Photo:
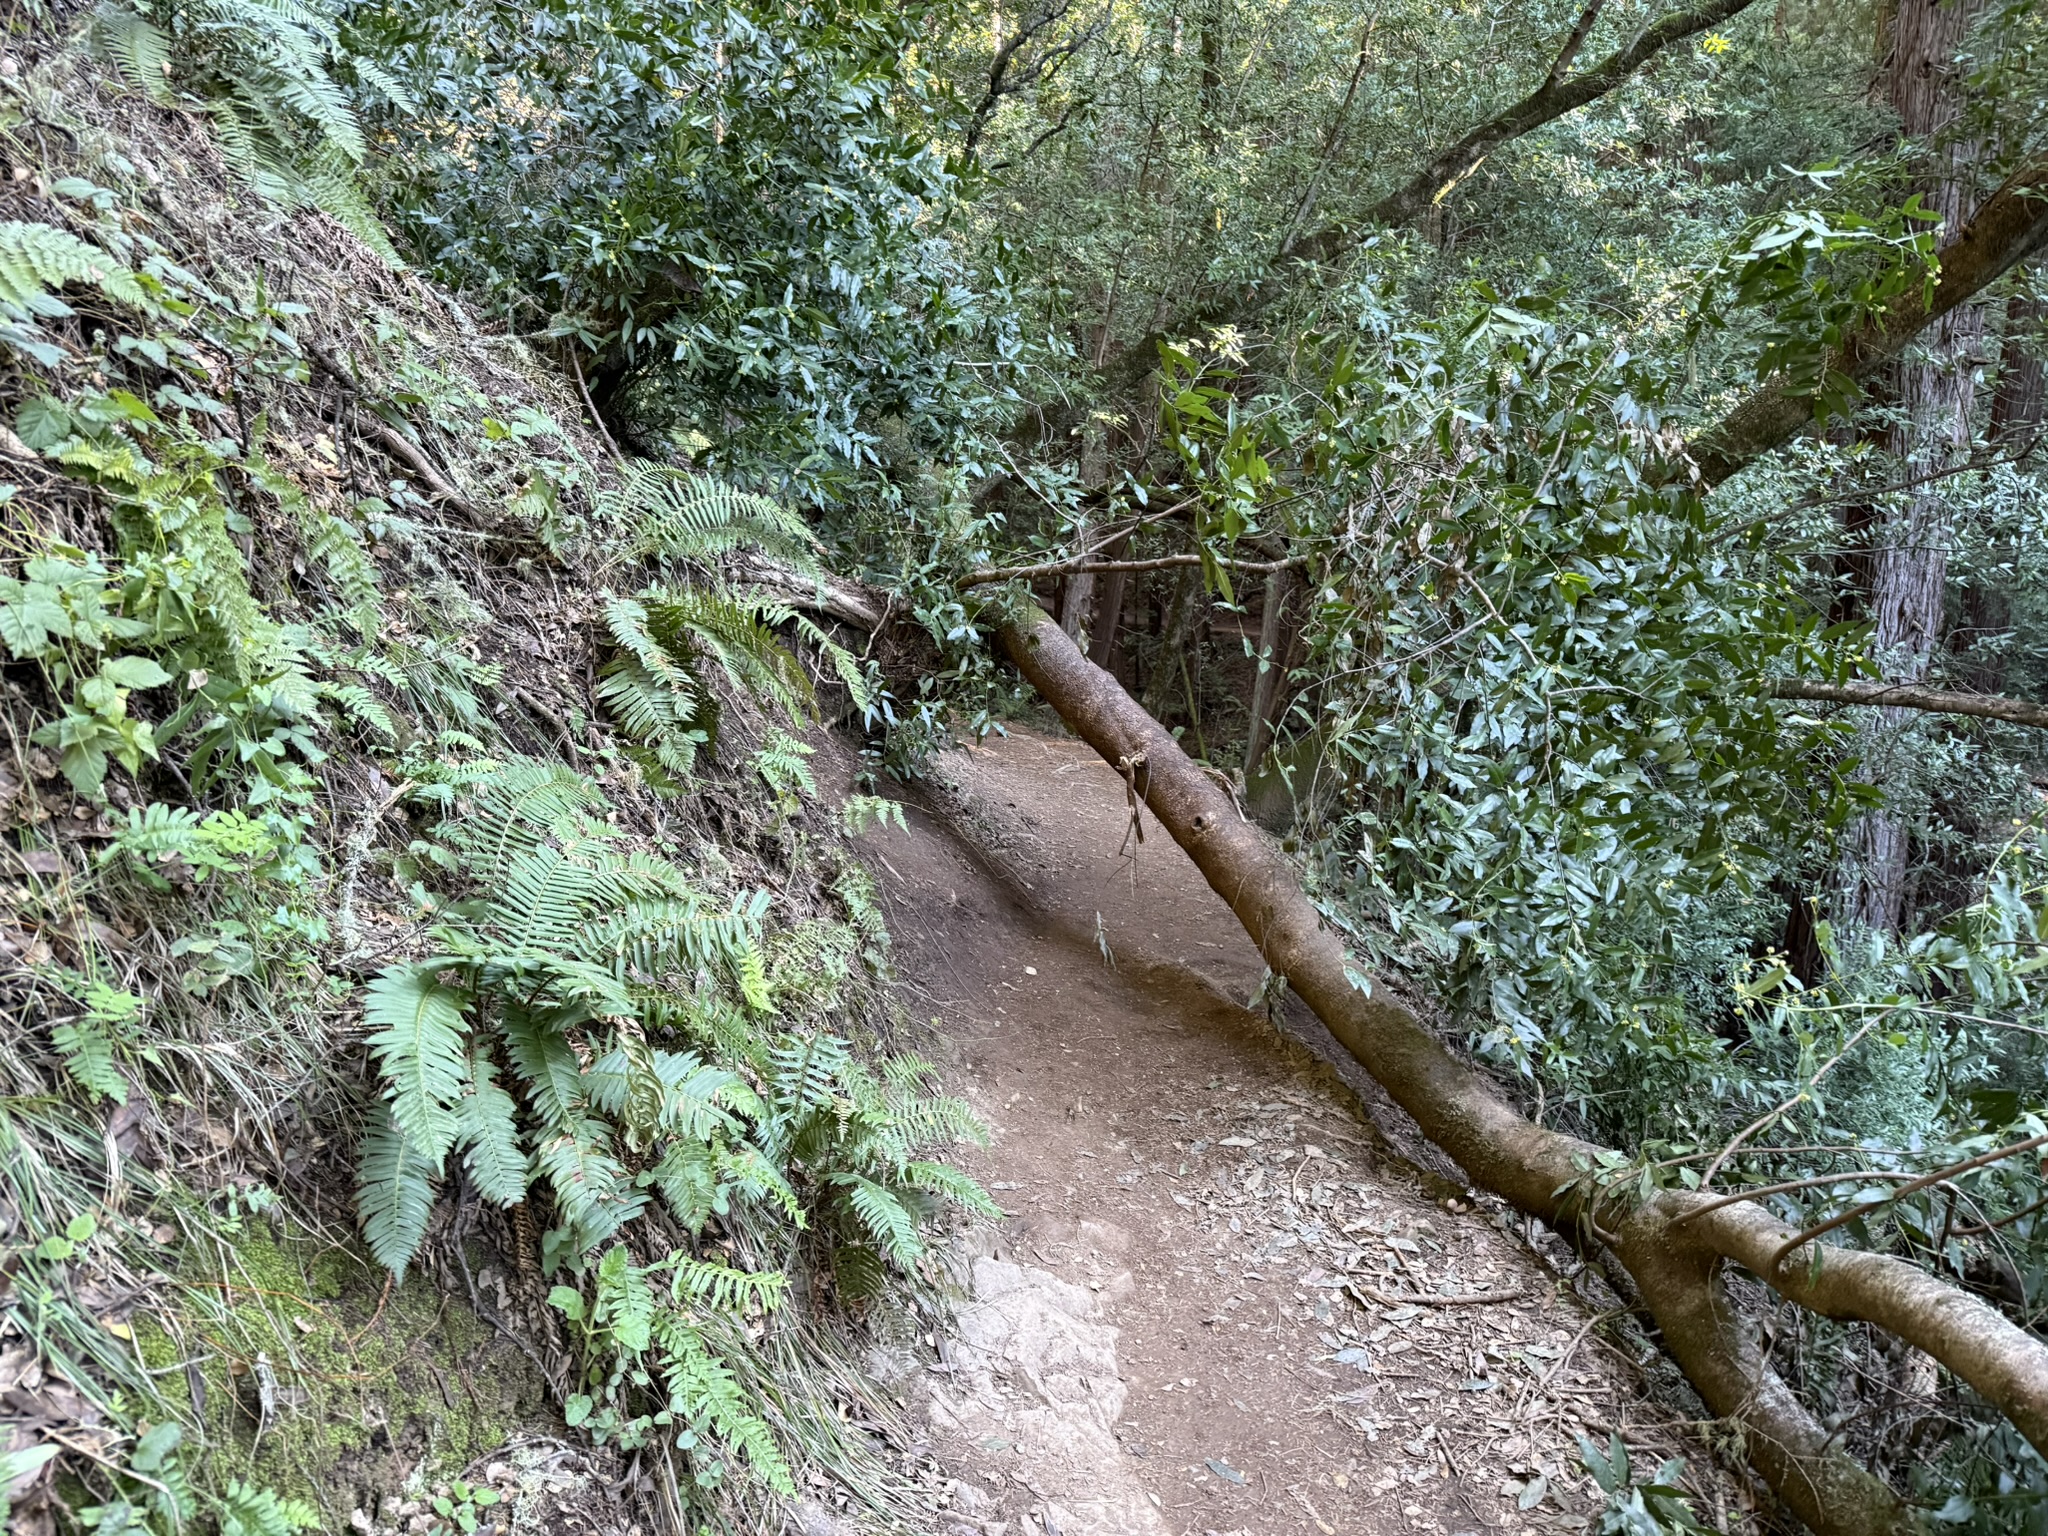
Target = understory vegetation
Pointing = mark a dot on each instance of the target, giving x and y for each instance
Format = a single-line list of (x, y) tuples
[(1571, 469)]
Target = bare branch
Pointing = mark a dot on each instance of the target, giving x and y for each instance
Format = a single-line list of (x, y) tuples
[(1938, 701), (1575, 42), (1008, 77), (1799, 1240), (1086, 566), (1555, 98)]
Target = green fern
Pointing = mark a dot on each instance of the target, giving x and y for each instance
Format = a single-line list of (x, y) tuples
[(137, 47), (251, 1511), (676, 516), (593, 1190), (625, 1303), (419, 1048), (884, 1217), (264, 70), (782, 762), (725, 1289), (704, 1392), (487, 1127), (543, 1058), (88, 1051), (35, 261), (394, 1194), (88, 1041)]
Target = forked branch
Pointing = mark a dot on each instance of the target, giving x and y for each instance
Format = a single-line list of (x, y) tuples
[(1558, 96)]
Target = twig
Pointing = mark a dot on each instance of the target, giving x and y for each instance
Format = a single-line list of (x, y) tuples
[(1801, 1239), (590, 405), (1806, 1088), (1423, 1299), (1816, 1182), (1085, 567), (1978, 1229), (382, 1297), (394, 442)]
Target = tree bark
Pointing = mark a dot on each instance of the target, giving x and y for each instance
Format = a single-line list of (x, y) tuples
[(1935, 391), (2022, 381), (1940, 701), (1271, 660), (1672, 1247), (1168, 677), (1109, 610)]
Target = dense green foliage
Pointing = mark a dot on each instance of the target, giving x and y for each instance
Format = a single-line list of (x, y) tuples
[(730, 213), (957, 291)]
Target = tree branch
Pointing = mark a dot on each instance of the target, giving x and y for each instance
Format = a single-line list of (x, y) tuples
[(1938, 701), (1555, 98), (2005, 228), (1001, 83), (1085, 566), (1575, 42)]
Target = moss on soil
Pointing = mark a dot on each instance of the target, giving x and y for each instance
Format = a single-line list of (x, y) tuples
[(370, 1390)]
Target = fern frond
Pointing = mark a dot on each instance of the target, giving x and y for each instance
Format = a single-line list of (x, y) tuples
[(543, 1059), (678, 516), (755, 1177), (687, 1177), (859, 1271), (950, 1183), (592, 1188), (135, 46), (486, 1125), (419, 1047), (38, 259), (361, 706), (88, 1051), (884, 1217), (703, 1390), (537, 899), (394, 1194), (725, 1289), (807, 1071), (624, 1303), (695, 1096), (251, 1511)]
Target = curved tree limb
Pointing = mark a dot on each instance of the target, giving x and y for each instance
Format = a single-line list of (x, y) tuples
[(1937, 701), (1679, 1270), (2006, 227), (1558, 96)]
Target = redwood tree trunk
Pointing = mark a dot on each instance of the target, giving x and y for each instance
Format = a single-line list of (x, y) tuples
[(1935, 392)]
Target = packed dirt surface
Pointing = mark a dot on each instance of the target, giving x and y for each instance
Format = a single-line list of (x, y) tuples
[(1226, 1298)]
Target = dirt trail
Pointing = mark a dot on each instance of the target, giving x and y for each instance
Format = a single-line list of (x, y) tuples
[(1182, 1326)]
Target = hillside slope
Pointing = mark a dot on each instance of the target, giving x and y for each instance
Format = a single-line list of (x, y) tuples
[(450, 1080)]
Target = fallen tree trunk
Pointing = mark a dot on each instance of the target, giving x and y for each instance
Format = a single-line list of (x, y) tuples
[(1937, 701), (1675, 1247)]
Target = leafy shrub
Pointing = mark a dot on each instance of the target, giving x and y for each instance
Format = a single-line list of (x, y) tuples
[(730, 210)]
